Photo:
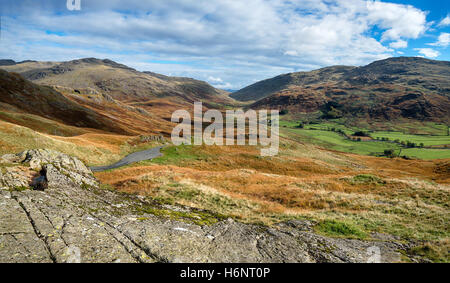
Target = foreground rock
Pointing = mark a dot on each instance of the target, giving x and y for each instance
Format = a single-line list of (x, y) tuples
[(70, 218)]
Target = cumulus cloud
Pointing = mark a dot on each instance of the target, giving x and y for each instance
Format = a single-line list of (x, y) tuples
[(215, 80), (443, 40), (428, 52), (445, 22), (236, 41), (399, 44), (399, 21)]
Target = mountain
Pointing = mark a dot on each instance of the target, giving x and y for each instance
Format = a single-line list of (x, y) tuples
[(271, 86), (9, 62), (405, 87), (230, 90), (116, 80), (18, 94), (43, 108), (133, 102)]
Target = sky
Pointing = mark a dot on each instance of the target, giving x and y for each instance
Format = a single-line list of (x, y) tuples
[(228, 43)]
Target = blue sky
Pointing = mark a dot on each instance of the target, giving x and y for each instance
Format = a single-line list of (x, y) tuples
[(229, 43)]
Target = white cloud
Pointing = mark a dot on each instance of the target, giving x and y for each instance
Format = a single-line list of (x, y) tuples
[(399, 44), (223, 86), (445, 22), (443, 40), (214, 80), (428, 52), (399, 21), (291, 53)]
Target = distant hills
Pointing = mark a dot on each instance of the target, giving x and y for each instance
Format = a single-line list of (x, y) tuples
[(9, 62), (116, 80), (394, 88), (95, 94)]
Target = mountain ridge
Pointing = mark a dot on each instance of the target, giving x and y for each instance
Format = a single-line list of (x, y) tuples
[(117, 80), (400, 87)]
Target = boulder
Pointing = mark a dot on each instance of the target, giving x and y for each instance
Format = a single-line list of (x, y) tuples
[(22, 168)]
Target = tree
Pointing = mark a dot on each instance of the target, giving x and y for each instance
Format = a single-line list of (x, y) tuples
[(360, 134), (410, 144), (389, 153)]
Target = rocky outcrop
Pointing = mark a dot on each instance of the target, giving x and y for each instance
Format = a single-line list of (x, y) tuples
[(74, 219)]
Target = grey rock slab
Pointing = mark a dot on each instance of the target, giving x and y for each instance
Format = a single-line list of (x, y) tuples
[(19, 241)]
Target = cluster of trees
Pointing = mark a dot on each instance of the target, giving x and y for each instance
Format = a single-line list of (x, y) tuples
[(361, 134), (406, 144), (389, 153), (339, 131)]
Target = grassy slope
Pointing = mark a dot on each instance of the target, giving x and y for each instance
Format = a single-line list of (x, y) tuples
[(93, 148), (348, 195)]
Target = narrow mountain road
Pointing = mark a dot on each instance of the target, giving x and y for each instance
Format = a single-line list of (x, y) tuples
[(148, 154)]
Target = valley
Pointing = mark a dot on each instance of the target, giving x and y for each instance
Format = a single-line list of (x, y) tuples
[(340, 137), (364, 151)]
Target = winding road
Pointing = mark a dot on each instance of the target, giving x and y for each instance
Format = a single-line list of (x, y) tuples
[(148, 154)]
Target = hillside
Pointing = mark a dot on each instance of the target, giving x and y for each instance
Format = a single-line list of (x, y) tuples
[(119, 98), (394, 88), (271, 86), (119, 81), (20, 95), (59, 110)]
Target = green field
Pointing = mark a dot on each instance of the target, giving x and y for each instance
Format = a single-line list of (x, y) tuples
[(403, 126), (418, 139), (320, 134), (426, 154)]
